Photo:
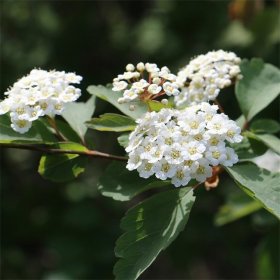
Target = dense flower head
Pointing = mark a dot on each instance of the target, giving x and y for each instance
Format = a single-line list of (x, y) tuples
[(37, 94), (144, 82), (182, 144), (203, 78)]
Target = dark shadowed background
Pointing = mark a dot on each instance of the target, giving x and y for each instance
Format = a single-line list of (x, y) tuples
[(67, 231)]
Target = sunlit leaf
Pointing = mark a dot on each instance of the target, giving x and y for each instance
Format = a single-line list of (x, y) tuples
[(149, 228), (63, 167), (123, 140), (259, 86), (112, 122), (112, 97), (265, 126), (77, 113), (259, 183)]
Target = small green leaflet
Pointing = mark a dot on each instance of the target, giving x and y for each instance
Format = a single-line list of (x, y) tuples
[(112, 97), (121, 184), (77, 113), (157, 105), (63, 167), (112, 122), (258, 183), (123, 140), (259, 86), (150, 227)]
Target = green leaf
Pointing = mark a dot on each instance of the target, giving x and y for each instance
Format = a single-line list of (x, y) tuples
[(238, 205), (265, 126), (123, 140), (77, 113), (259, 183), (113, 96), (269, 140), (63, 167), (149, 228), (249, 148), (258, 88), (112, 122), (37, 134), (121, 184), (157, 105), (67, 131)]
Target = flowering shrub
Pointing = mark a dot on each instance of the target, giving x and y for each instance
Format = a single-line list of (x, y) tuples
[(174, 131)]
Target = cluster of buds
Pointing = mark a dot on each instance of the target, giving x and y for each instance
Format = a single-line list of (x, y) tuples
[(203, 78), (145, 82), (182, 144), (37, 94)]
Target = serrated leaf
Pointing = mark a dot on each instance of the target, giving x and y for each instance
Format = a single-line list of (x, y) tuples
[(77, 113), (149, 228), (265, 126), (123, 139), (113, 96), (37, 134), (259, 183), (63, 167), (112, 122), (258, 88), (238, 205), (121, 184)]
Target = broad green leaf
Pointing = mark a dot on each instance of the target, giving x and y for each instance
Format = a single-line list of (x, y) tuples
[(121, 184), (67, 131), (269, 140), (112, 122), (63, 167), (149, 228), (37, 134), (77, 113), (157, 105), (259, 183), (249, 148), (238, 205), (123, 140), (259, 86), (113, 96), (240, 121), (265, 126)]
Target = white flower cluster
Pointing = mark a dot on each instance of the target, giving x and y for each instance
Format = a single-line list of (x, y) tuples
[(203, 78), (37, 94), (145, 81), (182, 144)]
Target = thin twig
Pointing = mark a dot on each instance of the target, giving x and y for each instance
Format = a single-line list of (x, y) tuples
[(47, 150)]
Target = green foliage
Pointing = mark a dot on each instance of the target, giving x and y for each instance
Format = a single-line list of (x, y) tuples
[(149, 228), (258, 183), (265, 126), (259, 86), (37, 134), (112, 97), (123, 140), (63, 167), (125, 184), (112, 122), (76, 114), (157, 106), (269, 140), (238, 205)]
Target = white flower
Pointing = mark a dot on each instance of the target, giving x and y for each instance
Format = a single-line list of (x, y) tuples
[(149, 81), (39, 93), (118, 86), (154, 89), (182, 145), (203, 78)]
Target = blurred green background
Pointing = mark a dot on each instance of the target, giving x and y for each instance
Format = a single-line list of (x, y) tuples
[(67, 231)]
